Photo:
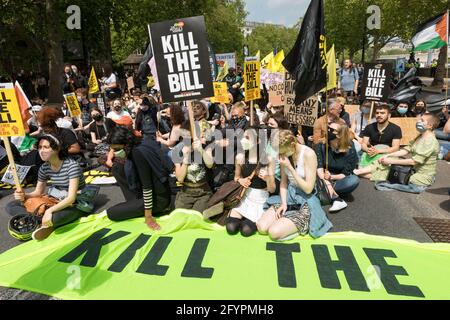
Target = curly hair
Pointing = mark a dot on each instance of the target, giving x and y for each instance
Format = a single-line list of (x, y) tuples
[(286, 141), (47, 117), (176, 114), (55, 144)]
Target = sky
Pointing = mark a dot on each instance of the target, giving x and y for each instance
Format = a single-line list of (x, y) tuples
[(286, 12)]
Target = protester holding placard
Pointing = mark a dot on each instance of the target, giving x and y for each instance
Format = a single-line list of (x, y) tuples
[(296, 211), (177, 119), (67, 180), (342, 159)]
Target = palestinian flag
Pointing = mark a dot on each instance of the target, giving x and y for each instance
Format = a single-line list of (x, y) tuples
[(432, 34)]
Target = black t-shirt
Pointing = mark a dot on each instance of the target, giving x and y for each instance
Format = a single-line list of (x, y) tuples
[(67, 137), (99, 130), (391, 132)]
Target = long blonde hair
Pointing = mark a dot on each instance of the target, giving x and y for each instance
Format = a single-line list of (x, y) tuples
[(344, 140)]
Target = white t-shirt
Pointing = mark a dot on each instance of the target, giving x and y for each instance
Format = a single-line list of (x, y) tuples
[(116, 117), (112, 79)]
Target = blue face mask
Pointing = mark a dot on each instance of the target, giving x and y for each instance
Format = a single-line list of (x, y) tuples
[(420, 126), (402, 110)]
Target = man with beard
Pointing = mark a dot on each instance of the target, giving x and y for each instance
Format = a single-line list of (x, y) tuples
[(381, 137)]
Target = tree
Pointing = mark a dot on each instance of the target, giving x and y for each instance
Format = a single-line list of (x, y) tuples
[(266, 38)]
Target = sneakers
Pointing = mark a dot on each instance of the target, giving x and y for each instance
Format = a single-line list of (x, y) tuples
[(214, 210), (338, 205), (42, 233)]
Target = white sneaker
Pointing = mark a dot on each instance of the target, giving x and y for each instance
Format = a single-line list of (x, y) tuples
[(338, 206)]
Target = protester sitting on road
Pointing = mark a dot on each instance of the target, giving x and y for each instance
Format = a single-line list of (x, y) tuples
[(142, 172), (201, 114), (380, 138), (118, 114), (342, 160), (321, 124), (67, 180), (402, 111), (254, 171), (238, 118), (191, 171), (98, 131), (422, 155), (177, 118), (296, 210), (420, 108), (360, 120), (146, 121)]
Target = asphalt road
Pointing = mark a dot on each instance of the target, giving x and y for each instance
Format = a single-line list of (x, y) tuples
[(370, 211)]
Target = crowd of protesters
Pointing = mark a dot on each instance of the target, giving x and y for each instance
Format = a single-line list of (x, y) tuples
[(178, 155)]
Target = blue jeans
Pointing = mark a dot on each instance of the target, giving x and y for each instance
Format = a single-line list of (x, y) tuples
[(440, 135), (444, 148), (346, 185), (410, 188)]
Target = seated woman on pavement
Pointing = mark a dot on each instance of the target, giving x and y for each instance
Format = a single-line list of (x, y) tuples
[(177, 118), (342, 160), (422, 155), (143, 176), (254, 170), (67, 185), (296, 211)]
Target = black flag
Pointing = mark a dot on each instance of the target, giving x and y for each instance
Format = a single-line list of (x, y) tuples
[(307, 61)]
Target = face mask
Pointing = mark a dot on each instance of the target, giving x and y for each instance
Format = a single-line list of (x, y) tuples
[(420, 126), (365, 110), (121, 154), (246, 144), (117, 108), (98, 117), (402, 110), (236, 120)]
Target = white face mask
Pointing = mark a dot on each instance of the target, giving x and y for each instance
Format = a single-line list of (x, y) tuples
[(121, 154), (246, 144)]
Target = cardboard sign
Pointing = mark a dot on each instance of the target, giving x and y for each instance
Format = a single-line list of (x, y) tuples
[(130, 83), (72, 105), (276, 94), (22, 172), (11, 123), (229, 58), (268, 78), (408, 126), (220, 93), (304, 114), (181, 53), (252, 79), (377, 81)]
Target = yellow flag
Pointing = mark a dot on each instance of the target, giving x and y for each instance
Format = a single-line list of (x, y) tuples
[(93, 83), (275, 65), (265, 62), (222, 72), (258, 54), (331, 70)]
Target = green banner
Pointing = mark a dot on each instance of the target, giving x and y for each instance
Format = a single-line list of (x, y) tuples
[(192, 259)]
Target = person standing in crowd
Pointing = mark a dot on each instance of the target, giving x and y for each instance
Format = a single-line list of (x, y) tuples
[(234, 83), (420, 108), (80, 81), (421, 154), (68, 80), (296, 211), (142, 172), (348, 78), (67, 180), (380, 138), (342, 160), (146, 118), (42, 88), (110, 83), (402, 111), (191, 172), (255, 172), (321, 124), (434, 66)]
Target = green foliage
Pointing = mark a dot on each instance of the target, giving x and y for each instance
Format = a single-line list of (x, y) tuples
[(268, 37)]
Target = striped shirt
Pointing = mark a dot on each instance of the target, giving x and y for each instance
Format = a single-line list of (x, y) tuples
[(60, 179)]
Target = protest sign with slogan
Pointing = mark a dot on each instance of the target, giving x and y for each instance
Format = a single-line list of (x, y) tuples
[(220, 93), (377, 81), (276, 94), (226, 58), (304, 114), (72, 105), (190, 258), (130, 83), (11, 123), (22, 172), (252, 78), (181, 52), (100, 102)]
